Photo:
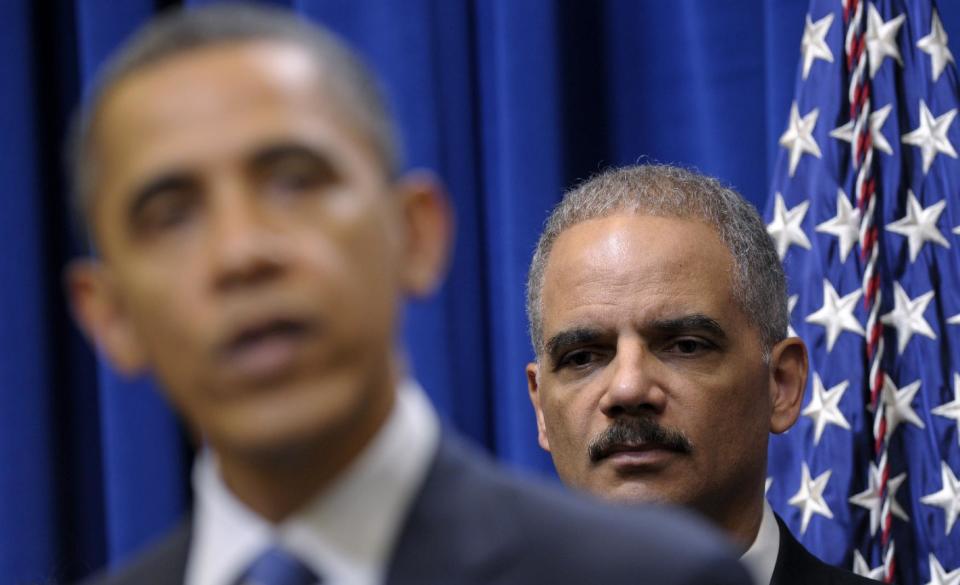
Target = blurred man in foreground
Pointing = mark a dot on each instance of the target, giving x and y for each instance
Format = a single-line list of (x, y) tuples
[(239, 176), (658, 313)]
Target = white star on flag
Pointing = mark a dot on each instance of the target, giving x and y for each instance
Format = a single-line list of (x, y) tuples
[(907, 316), (877, 120), (824, 407), (947, 498), (860, 567), (809, 498), (798, 138), (791, 303), (955, 320), (935, 45), (897, 403), (785, 227), (919, 225), (893, 486), (940, 576), (882, 38), (871, 500), (814, 46), (931, 135), (951, 409), (836, 314), (845, 225)]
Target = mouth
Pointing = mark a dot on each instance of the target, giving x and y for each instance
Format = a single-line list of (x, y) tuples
[(266, 350), (637, 455), (631, 447)]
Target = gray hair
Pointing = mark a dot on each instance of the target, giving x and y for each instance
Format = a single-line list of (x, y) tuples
[(758, 282), (181, 31)]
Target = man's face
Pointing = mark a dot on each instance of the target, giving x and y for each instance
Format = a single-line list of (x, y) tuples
[(252, 248), (653, 385)]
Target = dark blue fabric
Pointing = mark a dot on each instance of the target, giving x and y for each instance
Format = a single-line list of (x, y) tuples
[(509, 101)]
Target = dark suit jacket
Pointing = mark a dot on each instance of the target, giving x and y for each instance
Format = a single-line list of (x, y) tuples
[(797, 566), (472, 523)]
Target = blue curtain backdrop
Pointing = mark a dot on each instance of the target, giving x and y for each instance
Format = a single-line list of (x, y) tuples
[(511, 101)]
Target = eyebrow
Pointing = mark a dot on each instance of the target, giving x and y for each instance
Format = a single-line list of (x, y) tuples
[(181, 179), (689, 323), (674, 326), (575, 336), (273, 153)]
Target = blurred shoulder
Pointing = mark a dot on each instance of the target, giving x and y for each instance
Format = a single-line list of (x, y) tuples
[(526, 530)]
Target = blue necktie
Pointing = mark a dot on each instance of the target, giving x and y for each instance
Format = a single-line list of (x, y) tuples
[(276, 566)]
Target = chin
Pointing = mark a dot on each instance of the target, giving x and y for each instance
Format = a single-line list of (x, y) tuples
[(271, 444), (309, 418), (634, 492), (286, 429)]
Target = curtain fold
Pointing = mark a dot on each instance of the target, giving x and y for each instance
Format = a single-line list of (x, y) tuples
[(27, 444), (521, 151)]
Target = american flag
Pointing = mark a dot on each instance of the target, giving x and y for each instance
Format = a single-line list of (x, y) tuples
[(865, 213)]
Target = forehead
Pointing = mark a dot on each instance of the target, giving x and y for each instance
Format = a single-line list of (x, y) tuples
[(215, 103), (647, 267), (210, 85)]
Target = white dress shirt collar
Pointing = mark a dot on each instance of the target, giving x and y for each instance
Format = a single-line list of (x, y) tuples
[(347, 532), (761, 558)]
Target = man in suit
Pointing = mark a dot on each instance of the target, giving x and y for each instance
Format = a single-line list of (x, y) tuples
[(658, 314), (254, 239)]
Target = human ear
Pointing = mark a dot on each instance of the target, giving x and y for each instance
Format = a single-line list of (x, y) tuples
[(101, 315), (429, 232), (788, 380), (533, 385)]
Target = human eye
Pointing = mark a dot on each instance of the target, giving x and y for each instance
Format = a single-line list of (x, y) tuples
[(688, 346), (164, 206), (293, 177), (579, 359), (294, 171)]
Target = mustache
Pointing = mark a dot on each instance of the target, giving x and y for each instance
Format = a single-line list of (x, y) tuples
[(627, 433)]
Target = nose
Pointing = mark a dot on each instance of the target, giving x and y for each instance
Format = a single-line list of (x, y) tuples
[(633, 387), (245, 243)]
